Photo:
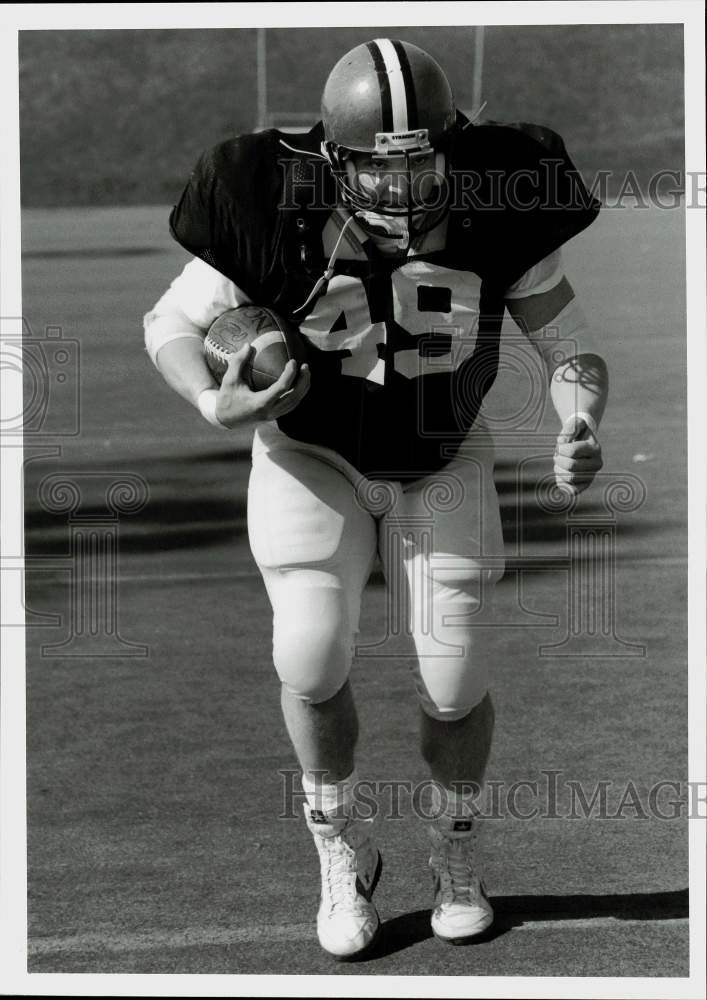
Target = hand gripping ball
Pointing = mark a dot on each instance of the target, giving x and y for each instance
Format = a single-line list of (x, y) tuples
[(274, 341)]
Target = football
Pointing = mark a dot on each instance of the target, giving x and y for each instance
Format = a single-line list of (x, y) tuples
[(274, 341)]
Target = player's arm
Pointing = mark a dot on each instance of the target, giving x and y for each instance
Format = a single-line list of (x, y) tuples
[(174, 338), (552, 319)]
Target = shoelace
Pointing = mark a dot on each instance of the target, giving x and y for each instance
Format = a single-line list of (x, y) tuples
[(455, 869), (339, 874)]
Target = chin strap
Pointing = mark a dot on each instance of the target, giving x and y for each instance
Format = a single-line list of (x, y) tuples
[(476, 115), (303, 152), (387, 223), (328, 272)]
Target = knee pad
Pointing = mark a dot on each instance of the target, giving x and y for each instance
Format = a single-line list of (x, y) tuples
[(451, 671), (449, 692), (312, 643)]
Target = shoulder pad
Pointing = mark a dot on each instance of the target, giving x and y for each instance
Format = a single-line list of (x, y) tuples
[(521, 193), (226, 181), (227, 213)]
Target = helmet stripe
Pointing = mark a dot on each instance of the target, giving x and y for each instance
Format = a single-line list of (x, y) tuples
[(396, 83), (411, 98), (384, 84)]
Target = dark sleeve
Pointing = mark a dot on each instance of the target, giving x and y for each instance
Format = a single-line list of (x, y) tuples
[(565, 206), (529, 197), (227, 213), (193, 221)]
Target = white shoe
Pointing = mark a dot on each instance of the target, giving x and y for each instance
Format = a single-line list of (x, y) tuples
[(461, 907), (347, 921)]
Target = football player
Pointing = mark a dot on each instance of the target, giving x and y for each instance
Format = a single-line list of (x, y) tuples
[(394, 234)]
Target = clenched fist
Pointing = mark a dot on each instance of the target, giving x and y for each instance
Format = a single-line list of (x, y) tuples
[(577, 456)]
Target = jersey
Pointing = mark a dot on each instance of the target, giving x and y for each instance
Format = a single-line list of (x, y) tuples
[(402, 348)]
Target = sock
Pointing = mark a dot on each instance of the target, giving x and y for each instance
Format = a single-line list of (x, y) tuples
[(445, 802), (330, 798)]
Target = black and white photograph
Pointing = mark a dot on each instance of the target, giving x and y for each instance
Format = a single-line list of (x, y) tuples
[(353, 603)]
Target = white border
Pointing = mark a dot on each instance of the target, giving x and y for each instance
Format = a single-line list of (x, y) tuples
[(13, 834), (14, 978), (696, 268), (286, 15)]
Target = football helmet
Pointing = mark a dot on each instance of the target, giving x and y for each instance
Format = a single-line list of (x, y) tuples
[(388, 114)]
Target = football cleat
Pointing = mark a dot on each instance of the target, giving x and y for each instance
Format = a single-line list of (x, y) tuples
[(461, 907), (347, 921)]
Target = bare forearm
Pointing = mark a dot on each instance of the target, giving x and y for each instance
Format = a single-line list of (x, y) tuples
[(580, 384), (183, 367), (233, 404)]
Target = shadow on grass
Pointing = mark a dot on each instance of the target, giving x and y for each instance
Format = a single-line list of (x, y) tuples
[(81, 253), (410, 929), (165, 523), (195, 501)]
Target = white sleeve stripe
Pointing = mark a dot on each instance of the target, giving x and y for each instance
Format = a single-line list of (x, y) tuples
[(161, 328), (192, 302), (544, 286), (201, 293), (541, 277), (155, 343), (166, 316)]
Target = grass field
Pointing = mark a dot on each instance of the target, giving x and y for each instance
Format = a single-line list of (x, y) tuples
[(154, 842)]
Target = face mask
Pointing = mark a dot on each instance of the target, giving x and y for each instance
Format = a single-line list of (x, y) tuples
[(391, 185)]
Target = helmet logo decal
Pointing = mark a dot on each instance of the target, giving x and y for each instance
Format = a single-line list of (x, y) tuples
[(395, 143)]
